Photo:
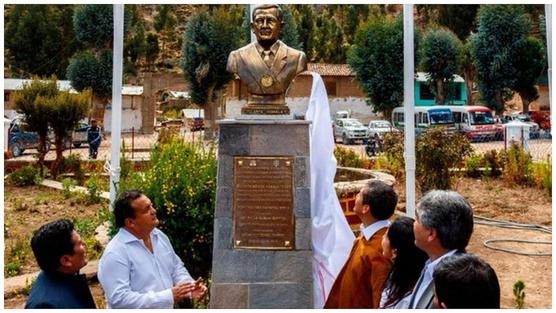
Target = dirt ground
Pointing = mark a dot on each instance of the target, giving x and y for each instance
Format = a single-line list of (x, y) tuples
[(489, 199), (492, 199)]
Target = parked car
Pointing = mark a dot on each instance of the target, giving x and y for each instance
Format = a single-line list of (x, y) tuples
[(534, 130), (196, 123), (349, 130), (379, 128), (20, 139)]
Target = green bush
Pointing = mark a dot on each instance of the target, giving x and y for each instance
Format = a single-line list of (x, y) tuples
[(67, 186), (473, 165), (394, 151), (517, 167), (542, 175), (436, 151), (494, 162), (347, 157), (12, 269), (71, 163), (94, 186), (181, 183), (26, 176)]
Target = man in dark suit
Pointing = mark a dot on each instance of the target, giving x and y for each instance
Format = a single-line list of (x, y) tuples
[(60, 253), (267, 66), (443, 227)]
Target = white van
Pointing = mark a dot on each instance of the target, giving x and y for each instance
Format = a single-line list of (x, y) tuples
[(476, 122), (425, 117)]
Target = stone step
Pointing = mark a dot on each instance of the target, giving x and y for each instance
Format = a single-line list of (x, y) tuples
[(58, 185)]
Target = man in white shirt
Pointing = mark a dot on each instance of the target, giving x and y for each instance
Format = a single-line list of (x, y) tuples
[(139, 268), (443, 227)]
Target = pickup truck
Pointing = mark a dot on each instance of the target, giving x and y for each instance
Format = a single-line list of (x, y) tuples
[(20, 140), (349, 130)]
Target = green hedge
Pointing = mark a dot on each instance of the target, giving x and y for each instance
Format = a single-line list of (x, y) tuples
[(181, 183)]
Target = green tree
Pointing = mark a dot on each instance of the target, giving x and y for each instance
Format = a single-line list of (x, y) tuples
[(461, 19), (35, 112), (39, 39), (151, 49), (305, 20), (208, 40), (92, 68), (377, 59), (502, 31), (164, 24), (93, 24), (134, 40), (441, 60), (289, 35), (65, 110), (87, 71), (529, 63)]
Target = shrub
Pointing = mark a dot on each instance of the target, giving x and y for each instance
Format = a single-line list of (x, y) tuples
[(493, 163), (71, 163), (542, 175), (437, 152), (394, 152), (473, 165), (12, 269), (94, 189), (67, 186), (181, 183), (347, 157), (26, 176), (519, 294), (517, 166)]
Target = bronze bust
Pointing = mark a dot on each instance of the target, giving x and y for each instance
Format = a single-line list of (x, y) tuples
[(267, 66)]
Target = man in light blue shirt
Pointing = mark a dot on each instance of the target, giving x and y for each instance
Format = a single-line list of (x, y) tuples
[(139, 268), (443, 227)]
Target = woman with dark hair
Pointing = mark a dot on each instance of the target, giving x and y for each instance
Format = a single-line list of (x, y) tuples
[(398, 244)]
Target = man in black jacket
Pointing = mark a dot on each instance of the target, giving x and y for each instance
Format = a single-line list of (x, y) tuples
[(60, 253), (94, 135)]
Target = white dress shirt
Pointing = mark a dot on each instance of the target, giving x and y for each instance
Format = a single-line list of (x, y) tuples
[(370, 230), (403, 303), (427, 276), (132, 277)]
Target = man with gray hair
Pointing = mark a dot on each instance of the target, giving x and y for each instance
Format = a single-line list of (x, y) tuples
[(443, 227)]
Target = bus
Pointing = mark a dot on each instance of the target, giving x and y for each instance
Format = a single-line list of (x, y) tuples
[(476, 122), (425, 117)]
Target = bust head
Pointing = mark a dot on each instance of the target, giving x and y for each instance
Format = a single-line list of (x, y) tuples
[(267, 24)]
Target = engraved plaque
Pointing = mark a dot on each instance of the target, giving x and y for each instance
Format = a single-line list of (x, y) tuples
[(263, 203)]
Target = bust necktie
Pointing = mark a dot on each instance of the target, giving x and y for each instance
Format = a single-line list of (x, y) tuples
[(266, 58)]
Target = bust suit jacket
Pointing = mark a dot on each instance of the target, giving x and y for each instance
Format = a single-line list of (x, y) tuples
[(249, 65)]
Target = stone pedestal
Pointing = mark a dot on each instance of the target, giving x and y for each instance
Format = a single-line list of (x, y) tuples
[(246, 278)]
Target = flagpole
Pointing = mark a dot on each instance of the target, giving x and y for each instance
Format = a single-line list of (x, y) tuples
[(409, 108), (116, 101)]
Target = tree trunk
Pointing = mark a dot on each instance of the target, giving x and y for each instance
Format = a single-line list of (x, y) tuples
[(56, 164), (42, 152), (499, 99), (468, 76), (209, 114), (526, 102), (440, 98)]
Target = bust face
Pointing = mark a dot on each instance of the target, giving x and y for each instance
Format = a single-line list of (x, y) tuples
[(266, 26)]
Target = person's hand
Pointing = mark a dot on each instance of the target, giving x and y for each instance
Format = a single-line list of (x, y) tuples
[(200, 289), (183, 291)]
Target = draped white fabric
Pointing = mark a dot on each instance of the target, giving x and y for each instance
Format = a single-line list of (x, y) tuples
[(332, 237)]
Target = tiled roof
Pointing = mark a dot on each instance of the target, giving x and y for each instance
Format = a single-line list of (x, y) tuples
[(326, 69)]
